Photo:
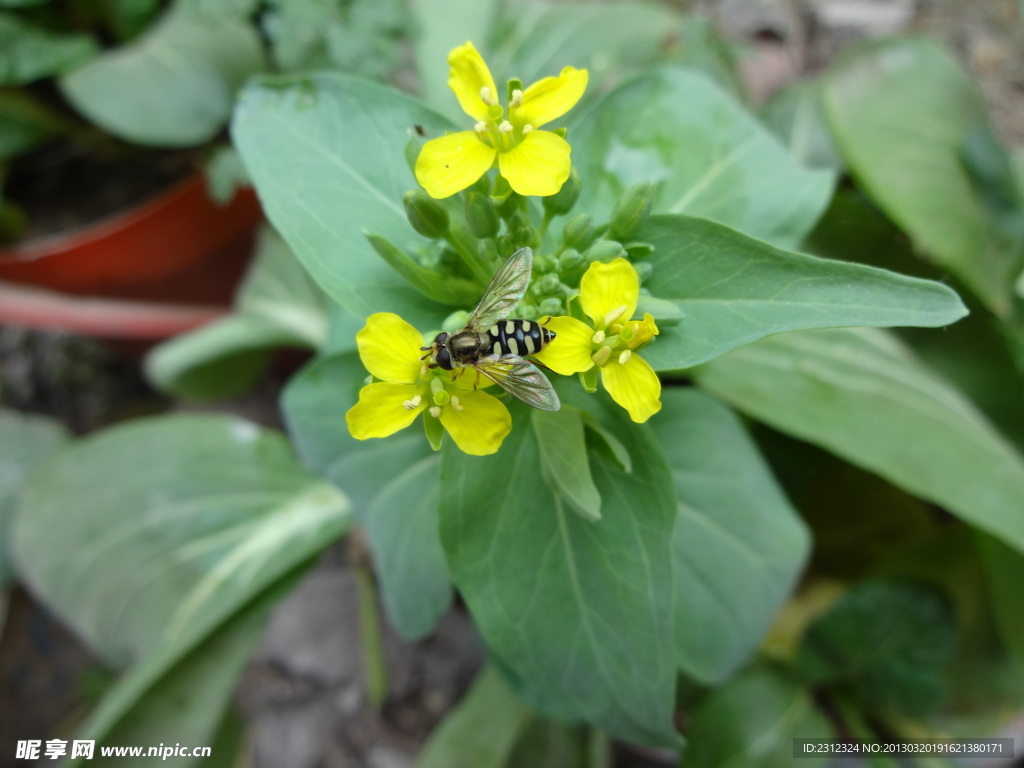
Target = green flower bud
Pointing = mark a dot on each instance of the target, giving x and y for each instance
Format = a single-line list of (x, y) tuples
[(480, 215), (631, 210), (564, 199), (578, 231), (527, 312), (549, 283), (427, 216), (455, 321), (524, 236), (569, 259), (542, 264), (638, 250), (550, 306), (488, 250), (605, 251), (644, 270)]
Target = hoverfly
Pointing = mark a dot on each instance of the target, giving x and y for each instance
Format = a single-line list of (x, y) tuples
[(495, 345)]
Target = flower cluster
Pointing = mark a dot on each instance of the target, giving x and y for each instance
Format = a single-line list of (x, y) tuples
[(590, 271)]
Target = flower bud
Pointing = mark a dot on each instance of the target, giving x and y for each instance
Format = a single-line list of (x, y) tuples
[(524, 236), (425, 214), (527, 311), (631, 210), (550, 306), (644, 270), (549, 283), (480, 215), (565, 198), (569, 260), (488, 250), (604, 251), (578, 231)]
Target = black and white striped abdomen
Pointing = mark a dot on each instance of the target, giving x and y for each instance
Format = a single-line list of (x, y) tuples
[(517, 337)]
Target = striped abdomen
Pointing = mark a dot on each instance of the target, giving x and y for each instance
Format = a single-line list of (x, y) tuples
[(516, 337)]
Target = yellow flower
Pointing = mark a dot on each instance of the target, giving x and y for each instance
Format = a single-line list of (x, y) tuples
[(390, 349), (534, 162), (609, 293)]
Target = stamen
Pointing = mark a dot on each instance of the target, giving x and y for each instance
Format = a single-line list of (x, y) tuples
[(614, 315), (410, 405), (601, 356), (480, 127), (598, 337), (505, 127), (517, 98), (485, 96), (456, 405), (527, 128), (435, 411), (626, 354)]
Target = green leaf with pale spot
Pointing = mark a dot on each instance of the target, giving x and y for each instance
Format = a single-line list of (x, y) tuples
[(704, 152), (576, 612), (738, 545), (865, 397), (733, 290)]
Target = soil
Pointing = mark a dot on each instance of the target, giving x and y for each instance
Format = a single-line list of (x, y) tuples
[(302, 696)]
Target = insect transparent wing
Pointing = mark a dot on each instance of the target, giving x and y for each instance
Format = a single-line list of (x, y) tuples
[(521, 379), (505, 291)]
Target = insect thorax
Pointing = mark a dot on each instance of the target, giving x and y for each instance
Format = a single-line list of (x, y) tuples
[(467, 346)]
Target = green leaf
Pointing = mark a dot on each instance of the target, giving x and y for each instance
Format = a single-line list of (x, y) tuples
[(28, 53), (25, 123), (326, 155), (276, 305), (738, 545), (195, 516), (863, 395), (1004, 577), (442, 26), (575, 611), (676, 128), (481, 731), (225, 174), (752, 721), (563, 458), (796, 115), (888, 642), (25, 442), (733, 290), (393, 485), (900, 111), (175, 85)]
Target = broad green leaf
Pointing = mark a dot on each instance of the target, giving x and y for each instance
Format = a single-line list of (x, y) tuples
[(442, 26), (25, 442), (606, 39), (276, 305), (393, 485), (326, 154), (1004, 576), (886, 641), (752, 720), (738, 545), (563, 458), (706, 154), (175, 85), (733, 290), (481, 731), (178, 692), (862, 395), (796, 115), (28, 53), (577, 612), (900, 111), (193, 516)]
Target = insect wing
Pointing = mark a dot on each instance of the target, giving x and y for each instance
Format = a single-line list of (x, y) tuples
[(521, 379), (505, 291)]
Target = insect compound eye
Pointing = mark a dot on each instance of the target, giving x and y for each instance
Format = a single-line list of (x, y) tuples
[(443, 358), (441, 338)]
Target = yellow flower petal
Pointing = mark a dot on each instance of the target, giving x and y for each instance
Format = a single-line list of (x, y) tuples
[(381, 410), (643, 331), (539, 165), (468, 74), (480, 426), (390, 348), (469, 379), (608, 287), (633, 385), (449, 164), (570, 351), (552, 97)]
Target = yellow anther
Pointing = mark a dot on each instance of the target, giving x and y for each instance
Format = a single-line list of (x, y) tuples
[(601, 356), (626, 354), (505, 127), (480, 127), (598, 337), (614, 315), (435, 411), (485, 96), (410, 405), (527, 128), (456, 405), (517, 98)]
